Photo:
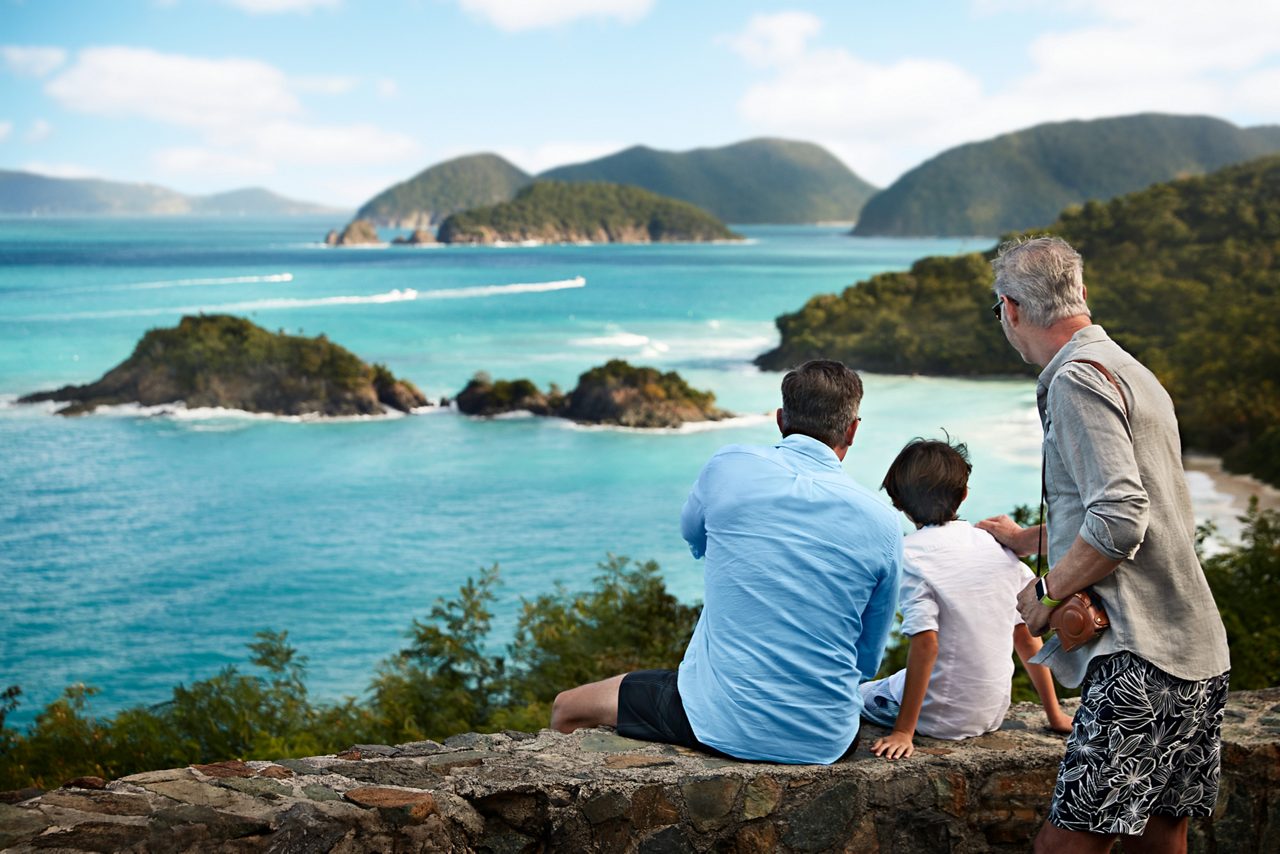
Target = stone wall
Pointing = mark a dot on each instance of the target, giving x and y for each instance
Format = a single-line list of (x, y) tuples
[(593, 791)]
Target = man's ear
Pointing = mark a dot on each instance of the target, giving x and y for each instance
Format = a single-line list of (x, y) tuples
[(848, 434), (1084, 292), (778, 417), (1010, 311)]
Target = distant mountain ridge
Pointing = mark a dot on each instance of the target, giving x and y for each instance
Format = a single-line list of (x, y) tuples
[(1024, 179), (29, 194), (756, 181), (759, 180), (428, 198)]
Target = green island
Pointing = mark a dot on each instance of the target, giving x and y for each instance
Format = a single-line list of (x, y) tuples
[(219, 360), (560, 212), (448, 679), (1184, 275), (1023, 179), (614, 393), (424, 200)]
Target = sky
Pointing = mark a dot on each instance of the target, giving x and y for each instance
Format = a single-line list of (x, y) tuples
[(334, 100)]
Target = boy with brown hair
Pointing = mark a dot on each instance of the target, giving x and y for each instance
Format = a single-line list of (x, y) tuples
[(959, 609)]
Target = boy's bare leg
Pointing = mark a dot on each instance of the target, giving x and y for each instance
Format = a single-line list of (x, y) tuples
[(587, 705), (1164, 834), (1055, 840)]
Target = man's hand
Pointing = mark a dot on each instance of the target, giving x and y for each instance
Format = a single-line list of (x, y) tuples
[(1033, 612), (895, 745), (1008, 533)]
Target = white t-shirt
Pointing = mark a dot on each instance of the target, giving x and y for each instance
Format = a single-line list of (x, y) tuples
[(958, 581)]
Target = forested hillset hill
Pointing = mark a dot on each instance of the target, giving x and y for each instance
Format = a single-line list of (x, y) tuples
[(1183, 274), (561, 212), (427, 198), (756, 181), (29, 194), (1023, 179)]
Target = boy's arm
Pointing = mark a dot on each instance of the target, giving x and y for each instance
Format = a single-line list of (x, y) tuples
[(921, 654), (1027, 646)]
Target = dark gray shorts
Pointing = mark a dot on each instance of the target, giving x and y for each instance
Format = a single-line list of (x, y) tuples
[(650, 709), (1143, 743)]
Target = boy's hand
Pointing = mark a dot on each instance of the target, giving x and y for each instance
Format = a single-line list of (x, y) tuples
[(1060, 722), (895, 745)]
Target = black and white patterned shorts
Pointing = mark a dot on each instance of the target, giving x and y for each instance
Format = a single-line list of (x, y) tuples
[(1143, 743)]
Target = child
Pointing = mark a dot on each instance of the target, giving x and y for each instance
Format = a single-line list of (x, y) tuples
[(959, 609)]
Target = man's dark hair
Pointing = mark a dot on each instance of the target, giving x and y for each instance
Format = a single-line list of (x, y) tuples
[(928, 480), (820, 399)]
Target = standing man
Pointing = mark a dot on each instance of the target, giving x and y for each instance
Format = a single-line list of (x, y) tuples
[(1143, 754), (802, 578)]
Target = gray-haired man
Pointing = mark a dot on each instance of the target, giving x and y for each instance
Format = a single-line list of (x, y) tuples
[(1143, 754)]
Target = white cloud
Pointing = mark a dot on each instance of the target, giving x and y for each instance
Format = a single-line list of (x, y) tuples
[(329, 144), (513, 15), (387, 88), (539, 158), (58, 170), (131, 82), (6, 128), (1125, 56), (774, 39), (33, 61), (330, 84), (274, 7), (203, 161), (39, 131)]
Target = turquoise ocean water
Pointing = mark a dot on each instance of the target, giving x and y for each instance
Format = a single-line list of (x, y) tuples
[(142, 549)]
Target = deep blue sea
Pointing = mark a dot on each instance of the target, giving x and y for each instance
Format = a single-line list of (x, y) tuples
[(140, 549)]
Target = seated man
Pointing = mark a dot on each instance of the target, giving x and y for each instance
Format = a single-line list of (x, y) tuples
[(802, 576)]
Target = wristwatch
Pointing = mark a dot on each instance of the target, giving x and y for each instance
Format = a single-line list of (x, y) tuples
[(1042, 592)]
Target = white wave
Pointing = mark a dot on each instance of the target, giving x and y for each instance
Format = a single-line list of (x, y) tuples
[(187, 283), (180, 412), (620, 339), (688, 427), (392, 296)]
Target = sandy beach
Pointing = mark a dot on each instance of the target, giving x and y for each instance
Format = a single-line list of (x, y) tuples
[(1221, 497)]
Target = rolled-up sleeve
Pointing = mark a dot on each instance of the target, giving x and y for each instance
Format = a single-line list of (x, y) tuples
[(1092, 434)]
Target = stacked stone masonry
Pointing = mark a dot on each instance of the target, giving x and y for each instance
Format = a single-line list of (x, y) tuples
[(594, 791)]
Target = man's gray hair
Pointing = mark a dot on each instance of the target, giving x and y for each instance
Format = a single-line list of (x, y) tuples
[(820, 399), (1044, 276)]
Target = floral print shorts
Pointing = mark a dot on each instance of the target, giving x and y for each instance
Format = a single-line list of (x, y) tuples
[(1143, 743)]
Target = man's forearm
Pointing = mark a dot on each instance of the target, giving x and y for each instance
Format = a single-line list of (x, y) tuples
[(1080, 567)]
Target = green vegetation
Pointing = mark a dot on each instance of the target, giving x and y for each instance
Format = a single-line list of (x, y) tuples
[(444, 682), (1184, 275), (1021, 180), (447, 681), (222, 360), (613, 393), (555, 211), (759, 180), (434, 193)]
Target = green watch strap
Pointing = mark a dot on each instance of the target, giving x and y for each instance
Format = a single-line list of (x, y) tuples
[(1042, 590)]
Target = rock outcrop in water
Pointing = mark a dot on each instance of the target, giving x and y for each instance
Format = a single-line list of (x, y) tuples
[(359, 232), (614, 393), (419, 237), (225, 361)]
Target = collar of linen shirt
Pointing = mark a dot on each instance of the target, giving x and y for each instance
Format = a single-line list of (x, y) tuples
[(812, 448)]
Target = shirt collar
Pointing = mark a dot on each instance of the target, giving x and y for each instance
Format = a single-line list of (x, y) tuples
[(1088, 335), (811, 448)]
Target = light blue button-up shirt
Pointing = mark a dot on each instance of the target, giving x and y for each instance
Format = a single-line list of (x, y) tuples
[(802, 574)]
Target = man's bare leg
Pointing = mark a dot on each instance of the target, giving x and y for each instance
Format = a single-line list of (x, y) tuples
[(1055, 840), (1164, 834), (587, 706)]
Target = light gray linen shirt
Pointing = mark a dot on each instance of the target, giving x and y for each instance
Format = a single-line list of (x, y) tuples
[(1113, 475)]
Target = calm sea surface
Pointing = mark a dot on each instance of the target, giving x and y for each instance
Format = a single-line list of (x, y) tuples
[(143, 549)]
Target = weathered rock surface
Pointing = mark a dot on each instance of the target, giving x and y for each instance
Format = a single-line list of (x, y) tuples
[(595, 791), (614, 393), (360, 232), (226, 361), (419, 237)]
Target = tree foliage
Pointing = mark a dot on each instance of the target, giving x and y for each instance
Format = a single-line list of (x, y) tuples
[(1184, 275)]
